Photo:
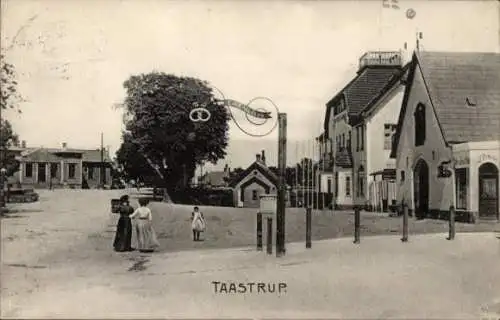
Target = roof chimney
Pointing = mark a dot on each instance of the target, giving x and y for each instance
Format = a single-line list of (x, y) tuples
[(263, 157), (64, 145), (23, 144), (257, 157)]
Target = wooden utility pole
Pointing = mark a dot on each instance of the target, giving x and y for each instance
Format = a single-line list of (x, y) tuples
[(281, 204), (103, 171)]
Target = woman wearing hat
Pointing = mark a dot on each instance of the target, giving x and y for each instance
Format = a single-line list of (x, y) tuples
[(123, 237)]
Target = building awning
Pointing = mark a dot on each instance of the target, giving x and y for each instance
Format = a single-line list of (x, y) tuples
[(387, 174)]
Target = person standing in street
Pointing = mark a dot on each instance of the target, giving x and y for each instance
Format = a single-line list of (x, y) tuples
[(146, 236), (123, 237), (198, 223)]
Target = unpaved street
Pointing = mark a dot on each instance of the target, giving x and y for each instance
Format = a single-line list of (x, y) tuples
[(57, 262)]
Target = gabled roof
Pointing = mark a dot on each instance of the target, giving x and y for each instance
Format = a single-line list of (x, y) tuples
[(396, 80), (54, 154), (464, 90), (360, 91), (259, 166)]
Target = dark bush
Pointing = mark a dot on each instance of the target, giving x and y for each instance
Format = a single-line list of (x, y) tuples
[(203, 196)]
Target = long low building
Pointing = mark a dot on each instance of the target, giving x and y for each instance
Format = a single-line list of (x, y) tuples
[(62, 167)]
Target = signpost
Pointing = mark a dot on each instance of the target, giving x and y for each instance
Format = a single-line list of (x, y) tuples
[(268, 205)]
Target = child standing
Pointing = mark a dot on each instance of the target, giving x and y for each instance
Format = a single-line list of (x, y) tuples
[(198, 223)]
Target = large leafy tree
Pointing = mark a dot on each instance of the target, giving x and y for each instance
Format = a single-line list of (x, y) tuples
[(158, 128)]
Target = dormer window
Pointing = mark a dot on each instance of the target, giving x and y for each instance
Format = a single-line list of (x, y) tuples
[(420, 127), (471, 101)]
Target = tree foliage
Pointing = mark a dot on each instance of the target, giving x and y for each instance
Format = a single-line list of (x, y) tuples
[(9, 96), (9, 99), (158, 127)]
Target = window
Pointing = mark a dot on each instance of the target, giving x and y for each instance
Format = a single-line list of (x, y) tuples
[(53, 170), (402, 175), (254, 194), (90, 172), (357, 138), (389, 130), (71, 170), (343, 140), (361, 182), (420, 127), (29, 170), (336, 184), (329, 185), (461, 185), (349, 141), (362, 138), (347, 186)]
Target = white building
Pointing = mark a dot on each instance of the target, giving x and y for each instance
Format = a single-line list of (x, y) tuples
[(378, 73), (446, 144)]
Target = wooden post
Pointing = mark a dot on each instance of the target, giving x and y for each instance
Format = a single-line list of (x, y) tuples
[(357, 225), (259, 231), (451, 235), (405, 223), (308, 227), (281, 204), (269, 235)]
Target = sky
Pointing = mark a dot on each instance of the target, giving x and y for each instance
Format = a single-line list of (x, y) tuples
[(73, 57)]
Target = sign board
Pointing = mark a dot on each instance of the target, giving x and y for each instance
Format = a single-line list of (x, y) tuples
[(268, 204)]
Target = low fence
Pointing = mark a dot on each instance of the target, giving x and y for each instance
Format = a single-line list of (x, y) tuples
[(203, 197)]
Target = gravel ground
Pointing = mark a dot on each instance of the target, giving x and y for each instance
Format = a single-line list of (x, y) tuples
[(57, 262)]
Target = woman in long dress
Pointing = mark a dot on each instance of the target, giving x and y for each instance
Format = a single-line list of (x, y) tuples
[(123, 236), (146, 236), (198, 223)]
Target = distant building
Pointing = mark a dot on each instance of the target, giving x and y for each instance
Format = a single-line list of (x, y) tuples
[(377, 71), (63, 167), (256, 180), (215, 179), (446, 144)]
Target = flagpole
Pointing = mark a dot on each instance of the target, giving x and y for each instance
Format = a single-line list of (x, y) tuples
[(303, 172), (311, 154), (296, 174)]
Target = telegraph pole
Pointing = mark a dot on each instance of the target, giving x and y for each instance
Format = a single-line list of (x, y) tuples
[(103, 171), (281, 204)]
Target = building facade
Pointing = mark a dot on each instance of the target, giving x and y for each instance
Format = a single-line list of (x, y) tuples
[(374, 171), (255, 181), (376, 71), (63, 168), (446, 143)]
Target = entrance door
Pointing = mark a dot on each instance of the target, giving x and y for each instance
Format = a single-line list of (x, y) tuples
[(421, 189), (488, 191), (42, 173)]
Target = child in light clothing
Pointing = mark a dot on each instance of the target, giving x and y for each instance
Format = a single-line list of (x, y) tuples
[(198, 223)]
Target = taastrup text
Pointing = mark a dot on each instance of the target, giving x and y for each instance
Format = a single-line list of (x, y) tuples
[(248, 287)]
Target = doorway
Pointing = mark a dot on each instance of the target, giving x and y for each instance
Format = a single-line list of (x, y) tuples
[(421, 189), (488, 191), (42, 173)]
